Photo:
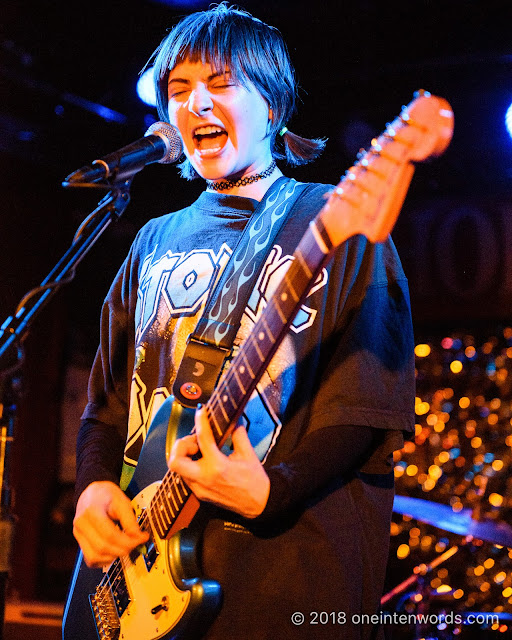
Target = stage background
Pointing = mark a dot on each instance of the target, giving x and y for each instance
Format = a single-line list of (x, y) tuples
[(357, 64)]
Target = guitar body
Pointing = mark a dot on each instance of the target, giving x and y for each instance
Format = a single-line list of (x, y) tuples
[(148, 595)]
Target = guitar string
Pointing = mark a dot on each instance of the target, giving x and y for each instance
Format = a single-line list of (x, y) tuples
[(113, 573), (216, 398), (116, 569), (171, 480), (299, 267)]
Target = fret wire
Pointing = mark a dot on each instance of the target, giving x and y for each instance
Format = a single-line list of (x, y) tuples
[(180, 486), (226, 417), (217, 414), (288, 281), (279, 311), (269, 332), (234, 390), (165, 517), (169, 512), (303, 263), (242, 372), (153, 518), (302, 275), (231, 399), (247, 364), (211, 419), (218, 398), (157, 516), (255, 345), (221, 426), (170, 515), (177, 492), (239, 382), (176, 506), (316, 233), (153, 505)]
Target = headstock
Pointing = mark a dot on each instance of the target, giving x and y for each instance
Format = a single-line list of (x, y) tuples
[(370, 195)]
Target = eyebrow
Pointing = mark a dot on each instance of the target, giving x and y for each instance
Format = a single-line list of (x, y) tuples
[(209, 78)]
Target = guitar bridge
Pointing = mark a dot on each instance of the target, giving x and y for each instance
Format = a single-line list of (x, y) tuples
[(109, 602), (107, 621)]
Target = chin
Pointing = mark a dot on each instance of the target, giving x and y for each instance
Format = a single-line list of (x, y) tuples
[(207, 169), (214, 172)]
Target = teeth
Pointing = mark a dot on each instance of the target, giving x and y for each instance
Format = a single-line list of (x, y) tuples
[(204, 131)]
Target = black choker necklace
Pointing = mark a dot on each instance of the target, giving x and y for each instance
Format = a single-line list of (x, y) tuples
[(229, 184)]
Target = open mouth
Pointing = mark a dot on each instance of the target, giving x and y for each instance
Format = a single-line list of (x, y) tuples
[(209, 139)]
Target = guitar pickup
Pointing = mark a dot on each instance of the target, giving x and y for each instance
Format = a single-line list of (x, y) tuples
[(119, 591), (148, 551)]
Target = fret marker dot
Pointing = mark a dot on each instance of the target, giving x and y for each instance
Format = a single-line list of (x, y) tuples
[(224, 398), (284, 296), (241, 369), (261, 335)]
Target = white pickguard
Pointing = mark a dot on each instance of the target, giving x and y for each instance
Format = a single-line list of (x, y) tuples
[(150, 588)]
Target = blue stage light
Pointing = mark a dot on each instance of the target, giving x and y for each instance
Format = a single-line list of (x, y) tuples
[(508, 120), (146, 87)]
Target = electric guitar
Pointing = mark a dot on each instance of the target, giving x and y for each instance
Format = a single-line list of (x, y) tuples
[(157, 592)]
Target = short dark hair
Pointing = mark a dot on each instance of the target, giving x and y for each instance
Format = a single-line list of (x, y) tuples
[(230, 38)]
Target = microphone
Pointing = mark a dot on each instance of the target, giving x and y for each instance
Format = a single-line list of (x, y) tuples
[(161, 143)]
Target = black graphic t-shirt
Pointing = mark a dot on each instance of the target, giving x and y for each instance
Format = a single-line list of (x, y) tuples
[(347, 360)]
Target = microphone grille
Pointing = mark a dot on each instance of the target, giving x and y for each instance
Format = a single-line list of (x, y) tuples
[(170, 135)]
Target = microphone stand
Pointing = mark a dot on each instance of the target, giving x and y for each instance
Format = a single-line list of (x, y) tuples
[(14, 330)]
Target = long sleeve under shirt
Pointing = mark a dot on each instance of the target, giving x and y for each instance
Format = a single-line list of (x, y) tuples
[(320, 457)]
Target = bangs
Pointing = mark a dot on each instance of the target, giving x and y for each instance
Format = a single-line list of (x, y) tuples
[(226, 39), (230, 39), (221, 48), (215, 38)]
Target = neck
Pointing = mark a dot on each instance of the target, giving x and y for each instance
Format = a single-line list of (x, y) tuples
[(253, 185), (256, 190)]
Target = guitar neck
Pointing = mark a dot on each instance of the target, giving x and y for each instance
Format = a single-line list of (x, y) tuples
[(234, 390), (367, 201), (173, 504)]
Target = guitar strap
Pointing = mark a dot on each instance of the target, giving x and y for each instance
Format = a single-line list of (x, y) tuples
[(211, 342)]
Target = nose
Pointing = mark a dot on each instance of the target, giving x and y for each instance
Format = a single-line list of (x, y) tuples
[(200, 100)]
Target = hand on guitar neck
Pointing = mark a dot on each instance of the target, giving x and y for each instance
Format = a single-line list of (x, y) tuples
[(237, 482), (101, 506)]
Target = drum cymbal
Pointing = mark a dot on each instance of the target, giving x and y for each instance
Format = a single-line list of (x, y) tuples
[(442, 516)]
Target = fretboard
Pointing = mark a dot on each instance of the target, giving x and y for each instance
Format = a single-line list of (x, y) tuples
[(228, 400), (232, 393)]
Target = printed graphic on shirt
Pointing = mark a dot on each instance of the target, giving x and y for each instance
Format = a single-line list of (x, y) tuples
[(176, 284), (271, 275), (142, 411), (173, 291)]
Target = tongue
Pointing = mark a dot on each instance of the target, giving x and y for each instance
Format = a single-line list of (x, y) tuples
[(212, 141)]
